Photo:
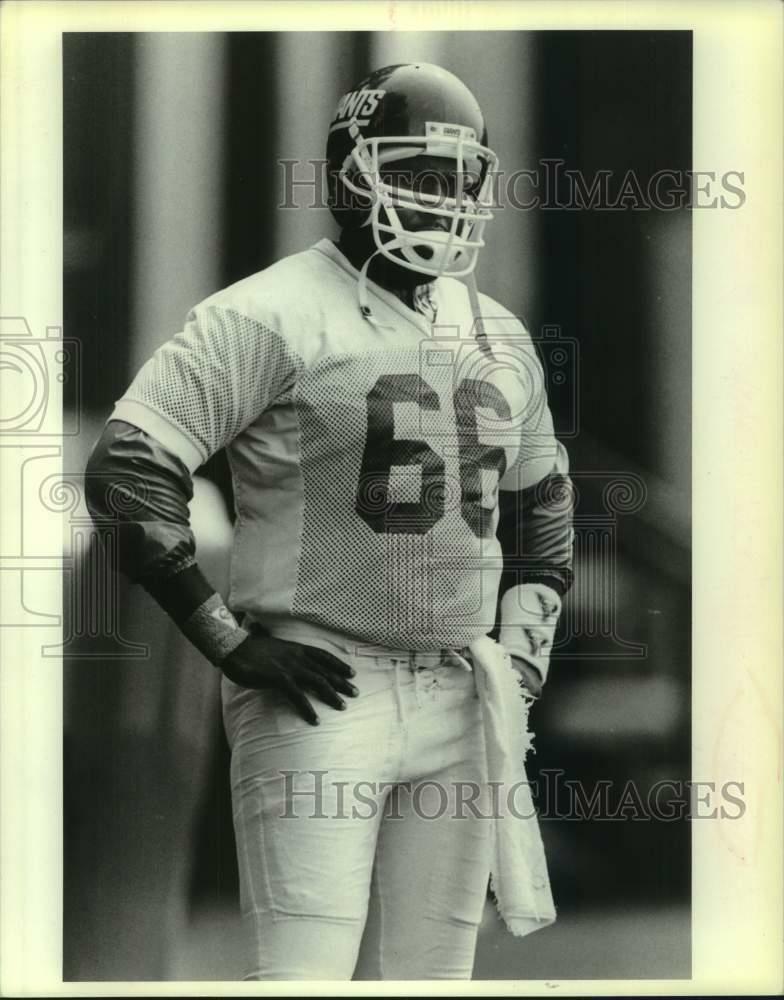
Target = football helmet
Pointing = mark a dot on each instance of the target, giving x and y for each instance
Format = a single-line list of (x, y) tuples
[(396, 114)]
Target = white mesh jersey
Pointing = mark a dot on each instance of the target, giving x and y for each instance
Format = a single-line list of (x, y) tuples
[(366, 450)]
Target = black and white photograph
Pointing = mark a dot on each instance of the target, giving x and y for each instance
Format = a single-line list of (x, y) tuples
[(371, 432)]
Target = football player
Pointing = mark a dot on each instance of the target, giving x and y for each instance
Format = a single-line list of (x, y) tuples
[(398, 487)]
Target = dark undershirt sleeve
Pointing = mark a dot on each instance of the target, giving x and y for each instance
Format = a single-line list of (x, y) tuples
[(137, 493), (536, 536), (535, 533)]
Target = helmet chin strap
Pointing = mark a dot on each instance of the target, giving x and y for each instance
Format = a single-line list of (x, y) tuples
[(362, 293)]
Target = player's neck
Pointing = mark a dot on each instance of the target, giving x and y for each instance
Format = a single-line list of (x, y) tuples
[(400, 281)]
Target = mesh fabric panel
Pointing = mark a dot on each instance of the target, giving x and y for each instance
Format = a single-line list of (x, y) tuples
[(216, 376)]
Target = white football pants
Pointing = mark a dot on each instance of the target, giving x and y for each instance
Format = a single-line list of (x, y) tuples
[(363, 843)]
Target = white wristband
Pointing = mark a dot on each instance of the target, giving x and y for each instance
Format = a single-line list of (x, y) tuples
[(214, 630), (529, 616)]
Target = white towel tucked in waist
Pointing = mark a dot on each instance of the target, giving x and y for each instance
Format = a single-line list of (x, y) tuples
[(519, 876)]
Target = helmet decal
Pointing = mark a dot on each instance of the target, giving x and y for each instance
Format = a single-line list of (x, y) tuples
[(357, 105)]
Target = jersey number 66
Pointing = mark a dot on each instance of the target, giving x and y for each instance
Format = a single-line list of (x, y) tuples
[(383, 450)]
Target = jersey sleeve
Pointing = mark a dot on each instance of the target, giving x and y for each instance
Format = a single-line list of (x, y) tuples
[(208, 383), (535, 501), (538, 447)]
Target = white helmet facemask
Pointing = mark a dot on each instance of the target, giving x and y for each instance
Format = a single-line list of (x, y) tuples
[(438, 251)]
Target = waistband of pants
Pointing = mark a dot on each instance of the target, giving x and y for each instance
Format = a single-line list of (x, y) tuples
[(303, 631)]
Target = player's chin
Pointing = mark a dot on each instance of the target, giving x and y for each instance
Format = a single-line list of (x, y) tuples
[(402, 275)]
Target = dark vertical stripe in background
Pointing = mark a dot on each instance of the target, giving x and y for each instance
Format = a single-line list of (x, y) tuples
[(249, 219), (360, 61), (249, 154), (97, 209), (596, 272), (249, 178)]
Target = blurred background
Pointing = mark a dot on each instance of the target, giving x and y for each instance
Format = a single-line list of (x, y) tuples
[(173, 187)]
